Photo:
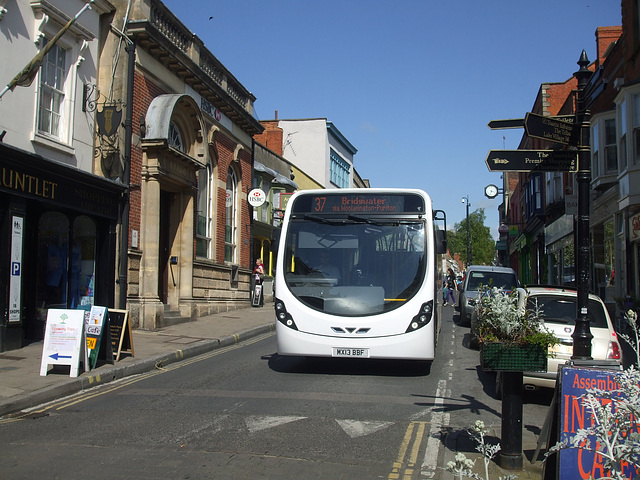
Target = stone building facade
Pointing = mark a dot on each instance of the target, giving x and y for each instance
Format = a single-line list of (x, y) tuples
[(190, 167)]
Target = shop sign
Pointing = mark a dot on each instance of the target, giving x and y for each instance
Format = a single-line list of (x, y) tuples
[(578, 463), (108, 120), (94, 327), (62, 340), (571, 204), (634, 228), (15, 280), (256, 197)]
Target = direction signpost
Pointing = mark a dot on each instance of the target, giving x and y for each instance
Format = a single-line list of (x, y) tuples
[(532, 160), (559, 131), (551, 129), (507, 123)]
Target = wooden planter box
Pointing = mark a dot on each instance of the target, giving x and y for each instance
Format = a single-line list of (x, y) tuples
[(496, 357)]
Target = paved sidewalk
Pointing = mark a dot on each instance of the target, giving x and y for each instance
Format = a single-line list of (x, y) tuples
[(21, 385)]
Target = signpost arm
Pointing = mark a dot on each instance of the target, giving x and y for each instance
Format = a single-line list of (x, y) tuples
[(582, 333)]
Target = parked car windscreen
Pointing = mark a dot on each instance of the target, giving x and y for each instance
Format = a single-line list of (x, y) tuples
[(506, 281), (562, 309)]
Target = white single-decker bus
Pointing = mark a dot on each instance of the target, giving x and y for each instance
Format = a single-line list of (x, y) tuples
[(358, 274)]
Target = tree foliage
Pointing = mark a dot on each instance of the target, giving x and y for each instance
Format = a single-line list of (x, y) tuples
[(482, 243)]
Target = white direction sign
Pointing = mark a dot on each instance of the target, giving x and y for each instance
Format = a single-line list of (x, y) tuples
[(63, 340)]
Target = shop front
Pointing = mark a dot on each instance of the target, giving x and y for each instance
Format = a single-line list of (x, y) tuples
[(58, 228)]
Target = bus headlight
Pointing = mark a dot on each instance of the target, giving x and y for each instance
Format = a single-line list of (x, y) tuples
[(422, 318), (283, 316)]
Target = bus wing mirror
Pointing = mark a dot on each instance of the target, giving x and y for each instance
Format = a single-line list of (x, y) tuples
[(441, 233), (441, 241)]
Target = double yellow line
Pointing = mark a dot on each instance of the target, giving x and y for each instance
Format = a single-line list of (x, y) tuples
[(407, 459)]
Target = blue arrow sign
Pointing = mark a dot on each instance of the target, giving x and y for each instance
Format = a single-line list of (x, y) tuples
[(57, 356)]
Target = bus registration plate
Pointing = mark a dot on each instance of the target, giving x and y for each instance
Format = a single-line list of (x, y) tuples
[(351, 352)]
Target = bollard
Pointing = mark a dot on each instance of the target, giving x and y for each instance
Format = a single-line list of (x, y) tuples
[(510, 457)]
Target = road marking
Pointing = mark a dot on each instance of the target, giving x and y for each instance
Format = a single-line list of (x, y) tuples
[(358, 428), (257, 423), (403, 467), (439, 420)]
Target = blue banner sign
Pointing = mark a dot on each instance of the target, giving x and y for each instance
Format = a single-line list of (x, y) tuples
[(578, 463)]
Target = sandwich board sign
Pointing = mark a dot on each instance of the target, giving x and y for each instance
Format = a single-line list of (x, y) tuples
[(121, 336), (94, 328), (63, 340)]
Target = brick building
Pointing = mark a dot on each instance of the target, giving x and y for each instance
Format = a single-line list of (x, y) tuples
[(188, 247)]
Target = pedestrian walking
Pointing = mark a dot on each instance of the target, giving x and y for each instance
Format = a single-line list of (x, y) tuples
[(258, 295), (451, 286)]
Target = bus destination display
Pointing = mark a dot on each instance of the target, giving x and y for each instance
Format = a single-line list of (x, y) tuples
[(361, 203)]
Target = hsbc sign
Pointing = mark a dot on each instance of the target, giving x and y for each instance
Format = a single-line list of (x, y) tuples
[(256, 197)]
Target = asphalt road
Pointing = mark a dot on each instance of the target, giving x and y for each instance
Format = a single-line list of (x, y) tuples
[(244, 412)]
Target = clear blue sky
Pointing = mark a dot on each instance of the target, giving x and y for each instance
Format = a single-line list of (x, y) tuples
[(411, 84)]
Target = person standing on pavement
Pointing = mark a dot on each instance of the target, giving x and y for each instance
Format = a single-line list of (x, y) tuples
[(451, 285), (258, 273)]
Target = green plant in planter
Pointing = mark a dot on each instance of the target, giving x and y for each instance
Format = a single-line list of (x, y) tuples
[(512, 336), (504, 317)]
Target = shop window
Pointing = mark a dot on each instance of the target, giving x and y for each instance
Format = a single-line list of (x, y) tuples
[(83, 262), (53, 255), (230, 217), (66, 269), (609, 252), (569, 265)]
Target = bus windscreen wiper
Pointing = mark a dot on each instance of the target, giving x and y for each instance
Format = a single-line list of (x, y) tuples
[(359, 219), (381, 221), (321, 219)]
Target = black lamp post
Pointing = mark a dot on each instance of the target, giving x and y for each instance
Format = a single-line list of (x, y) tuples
[(466, 200), (582, 333)]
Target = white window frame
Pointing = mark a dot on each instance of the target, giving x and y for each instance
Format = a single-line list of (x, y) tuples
[(64, 134), (622, 136), (204, 208), (230, 226), (635, 115), (610, 147), (53, 76), (175, 137)]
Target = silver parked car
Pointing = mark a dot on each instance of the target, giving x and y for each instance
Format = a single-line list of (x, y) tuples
[(501, 277)]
